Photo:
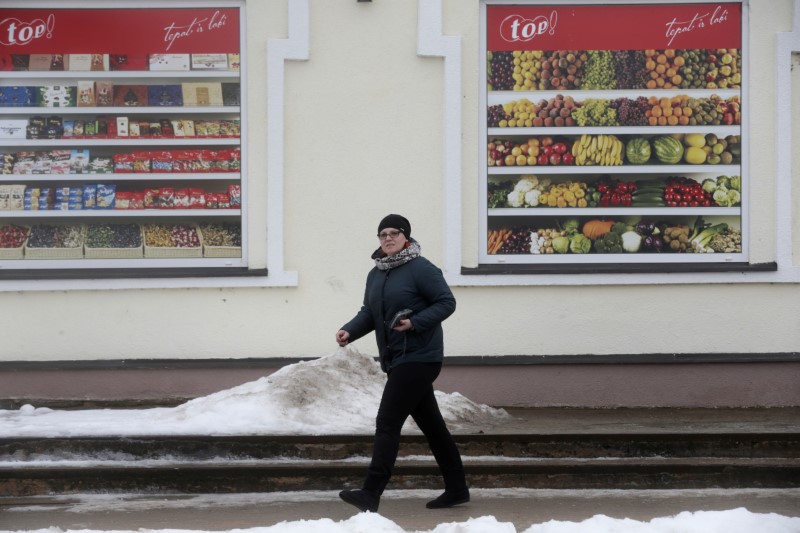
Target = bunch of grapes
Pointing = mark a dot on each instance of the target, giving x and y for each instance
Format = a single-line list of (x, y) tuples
[(628, 64), (501, 71), (596, 112), (598, 72), (495, 114), (631, 112), (518, 243)]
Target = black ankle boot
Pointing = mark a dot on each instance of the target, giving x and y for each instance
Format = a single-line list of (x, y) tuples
[(364, 500), (449, 498)]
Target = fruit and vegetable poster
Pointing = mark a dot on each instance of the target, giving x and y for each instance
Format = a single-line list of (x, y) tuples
[(614, 133)]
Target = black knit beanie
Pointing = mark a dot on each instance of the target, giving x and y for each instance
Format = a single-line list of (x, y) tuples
[(397, 222)]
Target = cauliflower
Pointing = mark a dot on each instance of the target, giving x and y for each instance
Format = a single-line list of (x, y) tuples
[(515, 198), (532, 197), (524, 185)]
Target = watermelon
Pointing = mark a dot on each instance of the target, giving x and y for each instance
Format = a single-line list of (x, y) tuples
[(637, 151), (668, 150)]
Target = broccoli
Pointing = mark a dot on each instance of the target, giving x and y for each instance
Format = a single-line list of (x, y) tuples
[(619, 228)]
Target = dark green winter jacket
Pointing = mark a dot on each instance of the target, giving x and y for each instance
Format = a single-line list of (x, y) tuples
[(417, 285)]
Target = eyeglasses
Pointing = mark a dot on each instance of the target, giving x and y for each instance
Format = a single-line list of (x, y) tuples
[(387, 234)]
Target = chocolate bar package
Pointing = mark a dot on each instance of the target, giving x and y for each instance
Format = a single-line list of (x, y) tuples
[(104, 93), (86, 93), (17, 96), (234, 62), (42, 162), (100, 62), (209, 61), (231, 94), (130, 95), (13, 128), (202, 94), (57, 96), (164, 95), (79, 161), (127, 61), (122, 126), (59, 161), (168, 61), (40, 62), (78, 62), (57, 62), (101, 164)]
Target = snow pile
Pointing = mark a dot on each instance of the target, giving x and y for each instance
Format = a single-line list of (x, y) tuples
[(336, 394), (734, 521)]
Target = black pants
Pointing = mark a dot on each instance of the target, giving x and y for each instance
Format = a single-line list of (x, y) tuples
[(409, 391)]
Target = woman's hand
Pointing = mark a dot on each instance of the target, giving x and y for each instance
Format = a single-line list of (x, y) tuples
[(342, 337), (404, 325)]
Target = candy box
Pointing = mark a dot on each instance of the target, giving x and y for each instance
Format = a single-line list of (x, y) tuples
[(104, 93), (231, 94), (165, 95), (57, 96), (130, 95), (79, 161), (86, 94), (17, 96), (101, 164), (234, 62), (40, 62), (209, 61), (78, 62), (59, 161), (15, 128), (202, 93), (168, 61), (127, 62)]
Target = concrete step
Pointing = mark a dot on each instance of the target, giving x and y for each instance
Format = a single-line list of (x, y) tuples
[(554, 449), (269, 476)]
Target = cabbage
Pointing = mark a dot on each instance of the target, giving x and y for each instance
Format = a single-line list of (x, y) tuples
[(580, 244), (561, 244)]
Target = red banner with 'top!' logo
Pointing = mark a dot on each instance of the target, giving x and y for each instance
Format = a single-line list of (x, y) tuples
[(614, 27), (131, 31)]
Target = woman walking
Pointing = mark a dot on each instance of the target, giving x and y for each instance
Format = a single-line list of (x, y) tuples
[(405, 302)]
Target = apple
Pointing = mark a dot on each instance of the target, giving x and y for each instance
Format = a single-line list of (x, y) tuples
[(568, 159), (555, 159), (543, 159)]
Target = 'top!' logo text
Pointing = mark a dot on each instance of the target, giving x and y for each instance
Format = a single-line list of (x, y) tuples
[(14, 32), (517, 28)]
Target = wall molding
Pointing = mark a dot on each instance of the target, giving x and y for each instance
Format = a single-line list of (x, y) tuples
[(451, 360)]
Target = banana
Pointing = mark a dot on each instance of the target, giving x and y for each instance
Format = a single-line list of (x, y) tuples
[(593, 146)]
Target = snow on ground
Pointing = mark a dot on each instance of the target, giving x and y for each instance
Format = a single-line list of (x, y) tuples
[(733, 521), (335, 394)]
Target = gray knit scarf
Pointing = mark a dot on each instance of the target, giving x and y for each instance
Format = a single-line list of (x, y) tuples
[(388, 262)]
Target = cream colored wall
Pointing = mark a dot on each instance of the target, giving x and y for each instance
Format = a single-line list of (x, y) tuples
[(363, 137)]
